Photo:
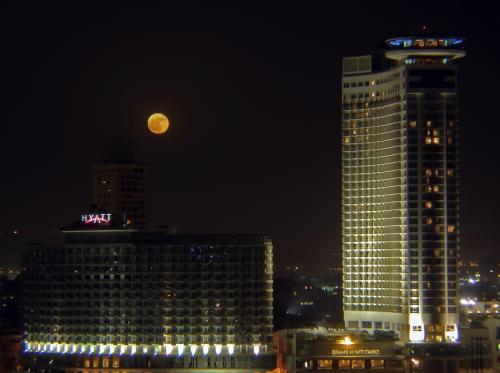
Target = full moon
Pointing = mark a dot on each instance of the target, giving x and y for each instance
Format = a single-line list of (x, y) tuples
[(158, 123)]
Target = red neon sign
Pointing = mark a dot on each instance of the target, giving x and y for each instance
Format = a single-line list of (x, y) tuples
[(96, 218)]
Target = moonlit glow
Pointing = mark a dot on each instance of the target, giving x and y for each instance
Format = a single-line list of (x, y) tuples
[(158, 123)]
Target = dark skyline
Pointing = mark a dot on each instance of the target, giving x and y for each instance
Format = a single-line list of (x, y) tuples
[(253, 95)]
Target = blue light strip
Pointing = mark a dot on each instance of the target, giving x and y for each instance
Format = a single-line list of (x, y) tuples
[(409, 42)]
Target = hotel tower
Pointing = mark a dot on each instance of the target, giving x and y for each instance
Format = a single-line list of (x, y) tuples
[(400, 217), (101, 296)]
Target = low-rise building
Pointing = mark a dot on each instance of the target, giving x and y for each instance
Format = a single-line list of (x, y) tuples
[(482, 343), (330, 350)]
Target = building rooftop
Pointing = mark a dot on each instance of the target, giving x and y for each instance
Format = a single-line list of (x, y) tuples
[(425, 45)]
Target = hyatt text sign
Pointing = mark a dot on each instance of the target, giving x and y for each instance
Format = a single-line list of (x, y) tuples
[(95, 218)]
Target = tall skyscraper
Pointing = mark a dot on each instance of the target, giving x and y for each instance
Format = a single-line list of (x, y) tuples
[(122, 188), (400, 219), (101, 296)]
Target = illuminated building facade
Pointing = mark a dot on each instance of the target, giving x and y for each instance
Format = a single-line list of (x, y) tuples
[(323, 349), (400, 188), (111, 298), (122, 188), (313, 349)]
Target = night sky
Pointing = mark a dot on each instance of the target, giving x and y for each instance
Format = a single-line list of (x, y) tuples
[(253, 95)]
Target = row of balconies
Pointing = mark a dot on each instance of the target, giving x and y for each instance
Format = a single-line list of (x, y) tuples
[(240, 332)]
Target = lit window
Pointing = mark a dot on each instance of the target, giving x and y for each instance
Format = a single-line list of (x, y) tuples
[(344, 364), (437, 252), (428, 189), (428, 123), (428, 140), (428, 204), (449, 172), (347, 140), (435, 132), (428, 172), (95, 362), (436, 188), (116, 362), (358, 364), (373, 94), (324, 364), (428, 221), (377, 363), (86, 363), (435, 140), (372, 82), (105, 362), (413, 124), (451, 229)]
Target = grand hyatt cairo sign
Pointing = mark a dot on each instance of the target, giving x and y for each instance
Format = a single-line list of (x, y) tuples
[(356, 352), (95, 219)]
